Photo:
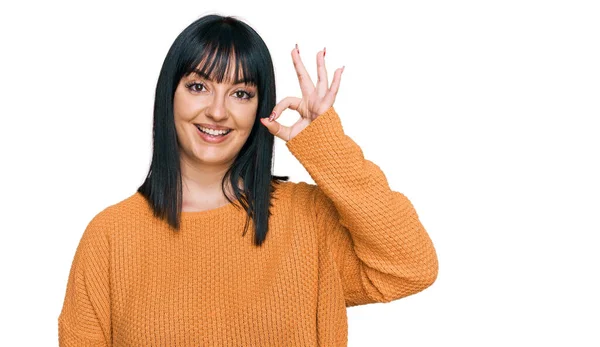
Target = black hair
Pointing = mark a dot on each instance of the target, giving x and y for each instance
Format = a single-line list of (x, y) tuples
[(216, 39)]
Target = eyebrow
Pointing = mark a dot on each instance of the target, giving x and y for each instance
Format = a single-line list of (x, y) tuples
[(205, 76)]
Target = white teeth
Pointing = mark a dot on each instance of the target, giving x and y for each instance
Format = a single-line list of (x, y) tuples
[(213, 132)]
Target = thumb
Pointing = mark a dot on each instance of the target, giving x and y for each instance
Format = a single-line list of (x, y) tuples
[(276, 128)]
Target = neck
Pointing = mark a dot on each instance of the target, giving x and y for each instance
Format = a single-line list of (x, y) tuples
[(201, 184)]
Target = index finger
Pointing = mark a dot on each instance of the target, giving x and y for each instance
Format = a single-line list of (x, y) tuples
[(306, 84)]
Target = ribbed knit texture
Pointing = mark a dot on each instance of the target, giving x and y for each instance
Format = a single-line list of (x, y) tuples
[(346, 240)]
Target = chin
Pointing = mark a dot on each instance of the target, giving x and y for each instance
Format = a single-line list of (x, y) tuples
[(212, 158)]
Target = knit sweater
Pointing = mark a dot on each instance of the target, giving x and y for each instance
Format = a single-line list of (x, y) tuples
[(346, 240)]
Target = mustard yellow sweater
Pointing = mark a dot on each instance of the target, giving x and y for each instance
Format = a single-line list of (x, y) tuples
[(346, 240)]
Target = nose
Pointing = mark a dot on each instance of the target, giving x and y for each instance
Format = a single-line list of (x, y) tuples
[(217, 110)]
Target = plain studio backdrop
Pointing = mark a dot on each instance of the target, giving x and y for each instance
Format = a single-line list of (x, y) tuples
[(484, 114)]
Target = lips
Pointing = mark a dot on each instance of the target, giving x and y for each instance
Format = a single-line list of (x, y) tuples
[(203, 131), (211, 126), (212, 139)]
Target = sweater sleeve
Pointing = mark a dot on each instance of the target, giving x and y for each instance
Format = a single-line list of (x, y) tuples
[(379, 246), (85, 316)]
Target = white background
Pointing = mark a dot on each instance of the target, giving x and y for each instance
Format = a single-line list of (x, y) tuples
[(484, 114)]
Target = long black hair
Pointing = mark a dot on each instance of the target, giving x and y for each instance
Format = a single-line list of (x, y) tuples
[(214, 39)]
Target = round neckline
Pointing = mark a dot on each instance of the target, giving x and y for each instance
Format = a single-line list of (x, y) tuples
[(190, 215), (212, 212), (234, 207)]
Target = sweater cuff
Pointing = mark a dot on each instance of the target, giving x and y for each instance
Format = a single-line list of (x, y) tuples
[(320, 143)]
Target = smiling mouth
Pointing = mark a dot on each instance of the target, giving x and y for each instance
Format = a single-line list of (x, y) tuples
[(213, 133)]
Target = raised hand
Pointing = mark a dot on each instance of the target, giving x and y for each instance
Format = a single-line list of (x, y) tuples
[(315, 99)]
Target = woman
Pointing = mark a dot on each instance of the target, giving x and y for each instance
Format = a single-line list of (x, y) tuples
[(170, 266)]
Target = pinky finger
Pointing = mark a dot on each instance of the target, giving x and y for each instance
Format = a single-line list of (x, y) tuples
[(335, 86)]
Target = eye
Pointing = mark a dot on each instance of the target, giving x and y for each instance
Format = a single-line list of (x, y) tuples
[(192, 86), (199, 87), (242, 94)]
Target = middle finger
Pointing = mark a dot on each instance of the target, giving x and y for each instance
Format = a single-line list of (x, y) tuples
[(306, 83)]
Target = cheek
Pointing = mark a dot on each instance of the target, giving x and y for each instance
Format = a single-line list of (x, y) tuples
[(251, 115), (245, 116), (184, 107), (248, 122)]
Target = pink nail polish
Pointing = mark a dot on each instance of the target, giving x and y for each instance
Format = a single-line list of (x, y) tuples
[(272, 116)]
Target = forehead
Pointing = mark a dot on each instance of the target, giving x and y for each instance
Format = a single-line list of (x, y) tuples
[(220, 69), (229, 78)]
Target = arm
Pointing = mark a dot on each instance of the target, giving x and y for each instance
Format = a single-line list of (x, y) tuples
[(85, 316), (380, 248)]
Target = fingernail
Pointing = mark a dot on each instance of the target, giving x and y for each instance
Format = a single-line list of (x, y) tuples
[(343, 67), (272, 116), (324, 51), (297, 50)]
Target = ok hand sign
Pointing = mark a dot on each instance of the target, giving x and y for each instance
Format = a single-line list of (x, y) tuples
[(315, 99)]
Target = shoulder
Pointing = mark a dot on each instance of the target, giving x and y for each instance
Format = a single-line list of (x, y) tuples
[(303, 200), (298, 192), (106, 222)]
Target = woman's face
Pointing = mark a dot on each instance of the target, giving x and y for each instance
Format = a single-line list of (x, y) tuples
[(200, 102)]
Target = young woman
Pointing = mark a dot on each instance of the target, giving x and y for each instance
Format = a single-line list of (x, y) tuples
[(171, 265)]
